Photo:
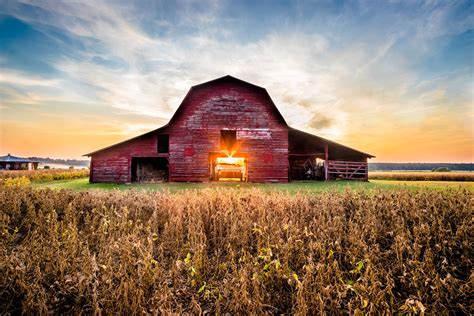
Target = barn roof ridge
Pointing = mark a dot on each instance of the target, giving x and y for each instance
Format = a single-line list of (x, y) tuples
[(227, 77)]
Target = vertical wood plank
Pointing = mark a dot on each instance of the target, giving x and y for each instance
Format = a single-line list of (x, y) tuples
[(366, 170)]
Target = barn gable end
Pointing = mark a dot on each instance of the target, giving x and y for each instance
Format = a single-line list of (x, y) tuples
[(228, 104)]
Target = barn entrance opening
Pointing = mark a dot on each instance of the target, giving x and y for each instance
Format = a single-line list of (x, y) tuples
[(231, 169), (149, 169), (306, 167), (228, 164), (224, 168)]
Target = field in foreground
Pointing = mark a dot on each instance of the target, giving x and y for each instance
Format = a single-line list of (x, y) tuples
[(422, 176), (236, 250)]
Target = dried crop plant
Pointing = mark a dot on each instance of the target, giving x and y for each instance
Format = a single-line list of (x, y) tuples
[(44, 175), (237, 251), (423, 176)]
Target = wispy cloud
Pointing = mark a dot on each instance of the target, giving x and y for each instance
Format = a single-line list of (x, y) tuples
[(358, 72), (14, 78)]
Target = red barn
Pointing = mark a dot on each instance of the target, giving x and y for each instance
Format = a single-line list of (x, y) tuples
[(226, 130)]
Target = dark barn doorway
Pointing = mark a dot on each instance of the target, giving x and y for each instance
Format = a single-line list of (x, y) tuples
[(149, 169), (305, 167)]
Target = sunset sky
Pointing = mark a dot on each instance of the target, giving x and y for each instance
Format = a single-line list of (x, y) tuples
[(391, 78)]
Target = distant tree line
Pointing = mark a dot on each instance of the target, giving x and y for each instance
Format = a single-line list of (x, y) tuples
[(420, 166), (69, 162)]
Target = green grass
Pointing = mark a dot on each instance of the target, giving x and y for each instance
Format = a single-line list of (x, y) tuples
[(315, 186)]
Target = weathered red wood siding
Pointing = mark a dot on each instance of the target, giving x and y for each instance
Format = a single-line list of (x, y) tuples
[(195, 132), (113, 165), (228, 106)]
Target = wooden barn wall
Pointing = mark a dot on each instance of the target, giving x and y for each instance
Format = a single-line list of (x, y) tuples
[(113, 165), (208, 110)]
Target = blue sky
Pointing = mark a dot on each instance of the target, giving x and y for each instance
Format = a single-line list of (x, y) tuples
[(394, 78)]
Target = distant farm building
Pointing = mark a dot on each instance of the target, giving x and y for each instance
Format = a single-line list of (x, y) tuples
[(10, 162), (227, 130)]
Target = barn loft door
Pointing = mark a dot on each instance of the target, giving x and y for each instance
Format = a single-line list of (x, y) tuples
[(228, 141), (163, 143)]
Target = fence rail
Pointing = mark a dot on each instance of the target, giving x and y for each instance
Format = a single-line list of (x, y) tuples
[(348, 170)]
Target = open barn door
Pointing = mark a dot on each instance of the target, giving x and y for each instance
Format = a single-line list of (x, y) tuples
[(223, 168), (149, 169), (228, 164)]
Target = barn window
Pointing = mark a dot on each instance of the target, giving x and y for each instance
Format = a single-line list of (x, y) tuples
[(163, 143), (228, 138)]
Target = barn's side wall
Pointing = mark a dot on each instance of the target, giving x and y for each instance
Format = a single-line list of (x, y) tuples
[(228, 106), (113, 165)]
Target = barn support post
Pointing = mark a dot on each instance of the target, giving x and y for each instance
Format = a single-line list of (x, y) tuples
[(366, 170), (326, 163)]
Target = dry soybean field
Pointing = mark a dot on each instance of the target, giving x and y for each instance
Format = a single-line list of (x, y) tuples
[(28, 176), (237, 250), (422, 176)]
